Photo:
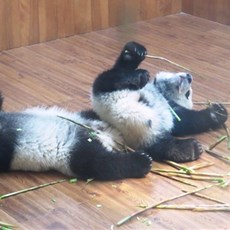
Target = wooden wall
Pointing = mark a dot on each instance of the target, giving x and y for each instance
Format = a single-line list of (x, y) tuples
[(214, 10), (25, 22)]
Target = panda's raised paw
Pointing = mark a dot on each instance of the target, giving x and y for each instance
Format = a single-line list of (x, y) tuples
[(135, 51)]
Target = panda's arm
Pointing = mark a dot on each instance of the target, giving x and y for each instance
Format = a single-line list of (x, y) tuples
[(116, 79), (124, 74), (193, 121)]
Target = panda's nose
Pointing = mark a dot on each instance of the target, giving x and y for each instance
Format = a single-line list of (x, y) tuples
[(189, 77)]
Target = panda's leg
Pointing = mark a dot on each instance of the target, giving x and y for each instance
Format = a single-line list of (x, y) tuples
[(193, 121), (92, 160), (178, 150)]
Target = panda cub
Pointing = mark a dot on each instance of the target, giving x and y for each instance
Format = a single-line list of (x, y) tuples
[(142, 110), (41, 139)]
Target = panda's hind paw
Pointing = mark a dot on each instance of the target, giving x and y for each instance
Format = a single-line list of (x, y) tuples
[(140, 164)]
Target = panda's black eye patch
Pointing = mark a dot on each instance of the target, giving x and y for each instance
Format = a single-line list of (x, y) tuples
[(187, 94)]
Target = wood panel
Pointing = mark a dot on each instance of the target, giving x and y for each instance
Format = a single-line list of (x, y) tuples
[(61, 72), (215, 10), (25, 22)]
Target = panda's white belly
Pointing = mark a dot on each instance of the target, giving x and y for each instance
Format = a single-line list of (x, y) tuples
[(140, 123)]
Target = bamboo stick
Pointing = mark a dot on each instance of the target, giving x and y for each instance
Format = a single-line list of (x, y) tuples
[(128, 218), (30, 189)]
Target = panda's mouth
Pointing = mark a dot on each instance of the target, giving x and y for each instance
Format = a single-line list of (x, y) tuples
[(187, 94)]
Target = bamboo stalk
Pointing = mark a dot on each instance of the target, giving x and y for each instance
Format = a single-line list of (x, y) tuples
[(6, 225), (202, 178), (30, 189), (174, 178), (200, 208), (84, 126), (205, 197), (221, 157), (228, 134), (167, 60), (95, 132), (212, 146), (174, 113), (201, 165), (179, 166), (128, 218), (190, 173), (207, 103)]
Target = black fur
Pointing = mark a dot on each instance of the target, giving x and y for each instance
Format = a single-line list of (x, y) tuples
[(89, 114), (194, 122), (179, 150), (124, 74), (8, 140), (92, 160)]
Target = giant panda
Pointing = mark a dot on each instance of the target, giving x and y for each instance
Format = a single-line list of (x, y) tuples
[(75, 144), (142, 110)]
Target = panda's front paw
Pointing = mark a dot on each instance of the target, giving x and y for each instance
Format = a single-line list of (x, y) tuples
[(135, 52), (142, 77), (218, 114)]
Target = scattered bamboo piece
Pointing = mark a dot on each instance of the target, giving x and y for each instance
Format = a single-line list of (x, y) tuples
[(221, 139), (174, 113), (201, 165), (30, 189), (201, 178), (220, 157), (228, 134), (128, 218), (94, 133), (207, 103), (179, 166), (77, 123), (205, 174), (167, 60), (174, 178), (205, 197), (6, 225), (199, 208)]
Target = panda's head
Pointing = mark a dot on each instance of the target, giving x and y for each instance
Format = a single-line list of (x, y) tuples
[(175, 87)]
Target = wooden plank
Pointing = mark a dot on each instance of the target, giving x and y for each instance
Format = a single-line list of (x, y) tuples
[(83, 20), (32, 21), (100, 17)]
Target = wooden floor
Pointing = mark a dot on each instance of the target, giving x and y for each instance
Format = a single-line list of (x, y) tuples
[(61, 72)]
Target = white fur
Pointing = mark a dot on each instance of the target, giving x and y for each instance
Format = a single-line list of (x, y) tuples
[(139, 123), (46, 140)]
